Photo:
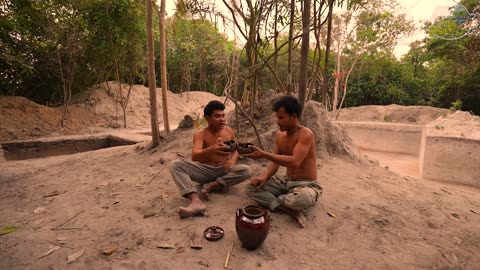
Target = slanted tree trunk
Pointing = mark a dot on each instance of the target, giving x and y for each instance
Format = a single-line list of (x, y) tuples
[(338, 79), (327, 53), (152, 84), (304, 51), (344, 85)]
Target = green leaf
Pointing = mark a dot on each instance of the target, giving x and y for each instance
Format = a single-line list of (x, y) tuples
[(8, 229)]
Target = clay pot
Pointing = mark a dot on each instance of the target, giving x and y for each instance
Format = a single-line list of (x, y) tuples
[(252, 224), (232, 145), (243, 148)]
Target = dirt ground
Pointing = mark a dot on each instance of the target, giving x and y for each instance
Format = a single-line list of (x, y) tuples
[(392, 113), (123, 198)]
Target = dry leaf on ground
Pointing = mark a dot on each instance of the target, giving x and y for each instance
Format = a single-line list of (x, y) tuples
[(73, 257), (39, 210), (8, 229), (109, 251), (49, 251)]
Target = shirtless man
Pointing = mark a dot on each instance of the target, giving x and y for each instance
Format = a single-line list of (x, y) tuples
[(295, 150), (212, 166)]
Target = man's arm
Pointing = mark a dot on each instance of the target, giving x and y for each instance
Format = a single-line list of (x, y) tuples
[(272, 167), (300, 151), (197, 151), (199, 154), (271, 170)]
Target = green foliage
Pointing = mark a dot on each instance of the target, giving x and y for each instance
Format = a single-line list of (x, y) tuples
[(40, 39), (378, 28), (383, 80), (197, 52), (99, 37), (453, 60), (8, 229), (117, 39), (457, 105)]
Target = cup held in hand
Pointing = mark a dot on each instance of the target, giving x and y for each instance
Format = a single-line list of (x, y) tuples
[(232, 145), (243, 148)]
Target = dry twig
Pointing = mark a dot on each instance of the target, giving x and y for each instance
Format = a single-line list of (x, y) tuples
[(229, 253), (57, 228), (155, 175), (59, 244)]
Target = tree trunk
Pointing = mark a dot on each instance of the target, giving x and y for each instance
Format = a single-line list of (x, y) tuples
[(345, 82), (338, 79), (163, 63), (304, 51), (327, 53), (152, 84), (290, 47), (275, 45), (236, 65)]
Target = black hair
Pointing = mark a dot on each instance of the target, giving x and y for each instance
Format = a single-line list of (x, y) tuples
[(290, 104), (212, 106)]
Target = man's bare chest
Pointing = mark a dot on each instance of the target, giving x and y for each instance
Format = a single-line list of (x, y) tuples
[(286, 145), (221, 136)]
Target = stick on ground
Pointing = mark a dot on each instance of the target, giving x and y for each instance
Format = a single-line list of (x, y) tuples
[(153, 177), (229, 253), (68, 220)]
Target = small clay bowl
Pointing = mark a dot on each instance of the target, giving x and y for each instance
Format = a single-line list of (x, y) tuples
[(243, 148), (232, 145), (213, 233)]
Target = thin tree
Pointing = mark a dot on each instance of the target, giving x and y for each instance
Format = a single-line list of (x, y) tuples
[(327, 53), (151, 77), (275, 46), (304, 51), (163, 63), (290, 47)]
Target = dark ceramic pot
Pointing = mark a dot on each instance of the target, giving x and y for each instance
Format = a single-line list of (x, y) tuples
[(242, 148), (232, 145), (252, 224)]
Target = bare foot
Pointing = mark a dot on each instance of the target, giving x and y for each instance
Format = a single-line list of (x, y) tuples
[(301, 219), (204, 194), (215, 185), (297, 215), (192, 210)]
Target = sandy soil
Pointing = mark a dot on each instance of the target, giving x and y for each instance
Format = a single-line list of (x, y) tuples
[(459, 124), (392, 113), (378, 219), (95, 111)]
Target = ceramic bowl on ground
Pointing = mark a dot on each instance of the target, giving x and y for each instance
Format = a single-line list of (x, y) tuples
[(242, 148), (213, 233), (232, 145)]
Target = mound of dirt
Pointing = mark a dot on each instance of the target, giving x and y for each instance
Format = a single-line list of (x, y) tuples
[(330, 140), (105, 100), (392, 113), (21, 118), (458, 124), (95, 110)]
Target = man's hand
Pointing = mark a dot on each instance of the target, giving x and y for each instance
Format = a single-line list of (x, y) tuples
[(220, 148), (256, 154), (258, 182)]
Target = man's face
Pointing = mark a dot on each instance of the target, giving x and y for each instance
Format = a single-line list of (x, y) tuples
[(284, 120), (217, 119)]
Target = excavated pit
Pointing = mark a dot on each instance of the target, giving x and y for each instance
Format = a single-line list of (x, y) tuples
[(46, 148)]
